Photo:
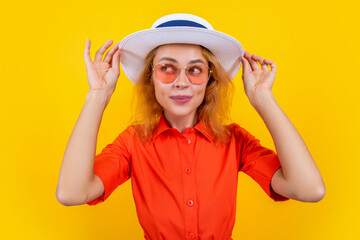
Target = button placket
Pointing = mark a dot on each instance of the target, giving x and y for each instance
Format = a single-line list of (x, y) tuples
[(191, 235), (190, 211)]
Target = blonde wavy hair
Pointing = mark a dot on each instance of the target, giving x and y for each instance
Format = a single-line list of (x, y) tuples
[(214, 110)]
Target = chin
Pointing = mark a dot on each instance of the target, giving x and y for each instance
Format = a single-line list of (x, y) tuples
[(179, 111)]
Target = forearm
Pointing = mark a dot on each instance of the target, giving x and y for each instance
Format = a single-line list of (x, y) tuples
[(77, 169), (298, 167)]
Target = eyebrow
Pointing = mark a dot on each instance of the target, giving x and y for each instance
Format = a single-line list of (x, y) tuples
[(174, 60)]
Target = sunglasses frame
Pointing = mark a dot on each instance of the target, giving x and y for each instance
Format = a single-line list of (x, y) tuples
[(179, 71)]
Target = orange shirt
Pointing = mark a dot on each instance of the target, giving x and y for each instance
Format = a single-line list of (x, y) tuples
[(183, 186)]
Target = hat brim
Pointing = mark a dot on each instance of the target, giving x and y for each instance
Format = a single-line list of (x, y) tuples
[(136, 46)]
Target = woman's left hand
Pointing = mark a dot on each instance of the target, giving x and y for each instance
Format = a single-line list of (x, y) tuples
[(257, 81)]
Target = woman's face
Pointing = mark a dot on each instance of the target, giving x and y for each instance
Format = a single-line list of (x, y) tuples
[(179, 55)]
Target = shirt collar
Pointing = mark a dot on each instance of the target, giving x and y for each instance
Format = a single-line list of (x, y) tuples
[(162, 126)]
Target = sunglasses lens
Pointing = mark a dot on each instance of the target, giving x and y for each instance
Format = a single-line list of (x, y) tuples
[(198, 74), (166, 73)]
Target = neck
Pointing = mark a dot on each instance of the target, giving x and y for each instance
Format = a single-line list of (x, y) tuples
[(181, 122)]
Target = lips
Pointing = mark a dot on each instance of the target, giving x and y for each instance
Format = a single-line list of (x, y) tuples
[(181, 97)]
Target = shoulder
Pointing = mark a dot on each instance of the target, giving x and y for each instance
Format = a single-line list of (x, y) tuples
[(237, 130), (136, 133), (240, 135), (127, 132), (126, 136)]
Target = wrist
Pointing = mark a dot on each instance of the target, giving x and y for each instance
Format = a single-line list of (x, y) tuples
[(262, 99), (101, 96)]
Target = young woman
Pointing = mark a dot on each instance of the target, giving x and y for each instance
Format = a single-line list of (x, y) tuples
[(182, 157)]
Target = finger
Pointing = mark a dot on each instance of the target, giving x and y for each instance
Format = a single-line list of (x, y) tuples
[(254, 65), (116, 61), (246, 65), (272, 65), (246, 54), (255, 58), (99, 54), (87, 52), (265, 65), (261, 61), (246, 57), (110, 53)]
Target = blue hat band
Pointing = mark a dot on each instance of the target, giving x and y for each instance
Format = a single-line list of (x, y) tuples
[(181, 23)]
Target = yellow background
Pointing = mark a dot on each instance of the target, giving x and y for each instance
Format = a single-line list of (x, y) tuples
[(43, 87)]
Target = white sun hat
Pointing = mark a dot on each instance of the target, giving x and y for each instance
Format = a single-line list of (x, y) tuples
[(179, 28)]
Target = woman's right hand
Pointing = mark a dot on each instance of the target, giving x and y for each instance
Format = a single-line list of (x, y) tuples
[(103, 75)]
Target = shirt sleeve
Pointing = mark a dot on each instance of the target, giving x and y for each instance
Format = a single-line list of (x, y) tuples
[(258, 162), (112, 166)]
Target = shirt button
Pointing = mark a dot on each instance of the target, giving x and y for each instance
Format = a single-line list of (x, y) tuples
[(188, 141), (187, 170), (191, 235), (190, 202)]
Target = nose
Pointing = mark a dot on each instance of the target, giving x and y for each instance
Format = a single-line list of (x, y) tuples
[(182, 80)]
